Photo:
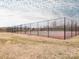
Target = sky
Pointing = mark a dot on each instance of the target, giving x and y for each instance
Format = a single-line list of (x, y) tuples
[(15, 12)]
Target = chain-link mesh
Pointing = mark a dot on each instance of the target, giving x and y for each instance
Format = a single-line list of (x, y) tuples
[(60, 28)]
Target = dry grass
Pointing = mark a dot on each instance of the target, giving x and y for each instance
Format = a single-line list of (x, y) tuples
[(16, 46)]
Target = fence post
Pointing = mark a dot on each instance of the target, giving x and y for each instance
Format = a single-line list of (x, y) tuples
[(78, 28), (16, 29), (48, 28), (71, 27), (30, 28), (20, 29), (75, 28), (25, 29), (11, 29), (64, 28), (38, 28)]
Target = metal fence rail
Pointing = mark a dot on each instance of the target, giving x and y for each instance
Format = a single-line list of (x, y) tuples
[(60, 28)]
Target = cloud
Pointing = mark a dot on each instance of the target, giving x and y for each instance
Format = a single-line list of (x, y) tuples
[(24, 11), (16, 17)]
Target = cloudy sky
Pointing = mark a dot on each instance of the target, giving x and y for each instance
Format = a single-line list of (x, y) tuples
[(14, 12)]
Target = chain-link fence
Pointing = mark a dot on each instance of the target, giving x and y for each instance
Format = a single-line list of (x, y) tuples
[(60, 28)]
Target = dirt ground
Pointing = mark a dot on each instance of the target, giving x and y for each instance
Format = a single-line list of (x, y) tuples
[(21, 46)]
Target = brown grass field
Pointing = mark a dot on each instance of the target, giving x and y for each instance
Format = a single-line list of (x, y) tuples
[(21, 46)]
